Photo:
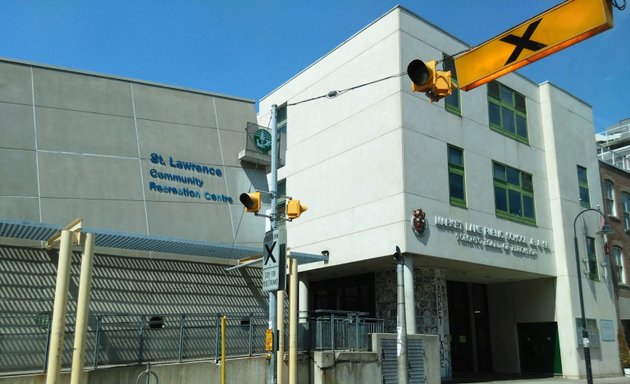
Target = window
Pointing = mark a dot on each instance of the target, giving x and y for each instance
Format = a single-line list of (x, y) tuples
[(452, 102), (456, 181), (507, 112), (513, 194), (618, 255), (610, 198), (585, 197), (625, 197), (591, 257), (281, 124)]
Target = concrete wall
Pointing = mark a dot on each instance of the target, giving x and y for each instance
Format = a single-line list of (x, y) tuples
[(344, 155), (245, 370), (325, 367), (569, 142), (113, 152)]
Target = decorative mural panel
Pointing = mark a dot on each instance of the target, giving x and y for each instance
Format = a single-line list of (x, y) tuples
[(431, 308)]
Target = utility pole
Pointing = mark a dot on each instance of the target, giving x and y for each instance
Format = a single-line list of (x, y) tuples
[(273, 191), (401, 324)]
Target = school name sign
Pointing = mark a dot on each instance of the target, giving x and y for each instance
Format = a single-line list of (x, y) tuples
[(471, 234)]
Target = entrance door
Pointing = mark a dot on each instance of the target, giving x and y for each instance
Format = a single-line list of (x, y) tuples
[(539, 348), (469, 327)]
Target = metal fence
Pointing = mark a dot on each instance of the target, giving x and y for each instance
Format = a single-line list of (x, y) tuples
[(130, 339), (114, 339), (342, 330)]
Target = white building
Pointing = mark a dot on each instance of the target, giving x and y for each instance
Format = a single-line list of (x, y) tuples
[(499, 171)]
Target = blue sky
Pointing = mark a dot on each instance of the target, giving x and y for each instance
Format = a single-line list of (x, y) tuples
[(246, 48)]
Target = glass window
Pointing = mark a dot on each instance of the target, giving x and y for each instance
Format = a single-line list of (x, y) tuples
[(507, 111), (495, 114), (456, 180), (513, 194), (452, 102), (626, 210), (593, 273), (609, 190), (500, 199), (585, 197), (619, 272)]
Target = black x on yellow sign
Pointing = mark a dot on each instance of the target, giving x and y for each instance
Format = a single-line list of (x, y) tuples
[(540, 36)]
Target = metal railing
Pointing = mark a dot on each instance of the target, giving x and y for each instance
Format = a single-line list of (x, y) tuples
[(342, 330), (114, 339), (124, 339)]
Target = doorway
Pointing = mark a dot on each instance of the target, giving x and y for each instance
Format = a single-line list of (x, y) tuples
[(539, 348), (469, 326)]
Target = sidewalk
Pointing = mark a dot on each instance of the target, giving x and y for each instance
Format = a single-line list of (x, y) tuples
[(556, 380)]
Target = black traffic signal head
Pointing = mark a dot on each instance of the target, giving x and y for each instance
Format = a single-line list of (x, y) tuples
[(251, 201), (421, 75), (426, 78)]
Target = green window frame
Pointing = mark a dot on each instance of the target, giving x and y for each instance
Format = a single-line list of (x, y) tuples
[(585, 196), (507, 112), (513, 194), (456, 176), (452, 103), (591, 257)]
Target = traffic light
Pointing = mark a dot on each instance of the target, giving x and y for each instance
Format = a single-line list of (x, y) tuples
[(426, 78), (251, 201), (295, 209)]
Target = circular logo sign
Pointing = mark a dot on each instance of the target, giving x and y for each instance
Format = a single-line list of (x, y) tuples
[(262, 140)]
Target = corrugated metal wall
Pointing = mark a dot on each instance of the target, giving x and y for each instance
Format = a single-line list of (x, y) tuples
[(120, 285)]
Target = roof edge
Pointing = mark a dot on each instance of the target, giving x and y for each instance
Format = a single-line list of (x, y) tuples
[(122, 78)]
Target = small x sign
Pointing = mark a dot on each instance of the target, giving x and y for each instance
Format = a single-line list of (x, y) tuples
[(269, 254), (274, 263), (523, 42)]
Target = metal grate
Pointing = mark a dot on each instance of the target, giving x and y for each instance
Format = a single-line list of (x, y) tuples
[(415, 359)]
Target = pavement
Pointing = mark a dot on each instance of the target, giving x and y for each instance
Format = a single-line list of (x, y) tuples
[(547, 380)]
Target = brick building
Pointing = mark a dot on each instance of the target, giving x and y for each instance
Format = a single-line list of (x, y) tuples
[(613, 151)]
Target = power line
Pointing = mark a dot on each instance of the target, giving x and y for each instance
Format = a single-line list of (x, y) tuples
[(335, 93)]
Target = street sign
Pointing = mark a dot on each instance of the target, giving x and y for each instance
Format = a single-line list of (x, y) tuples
[(274, 264), (557, 28), (262, 140)]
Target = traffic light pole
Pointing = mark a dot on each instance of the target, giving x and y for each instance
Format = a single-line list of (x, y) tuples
[(273, 191)]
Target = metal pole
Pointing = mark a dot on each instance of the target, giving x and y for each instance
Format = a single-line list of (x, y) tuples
[(48, 330), (223, 326), (83, 305), (271, 378), (280, 316), (250, 335), (217, 331), (182, 335), (97, 343), (59, 309), (401, 326), (585, 340), (293, 314), (141, 341)]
